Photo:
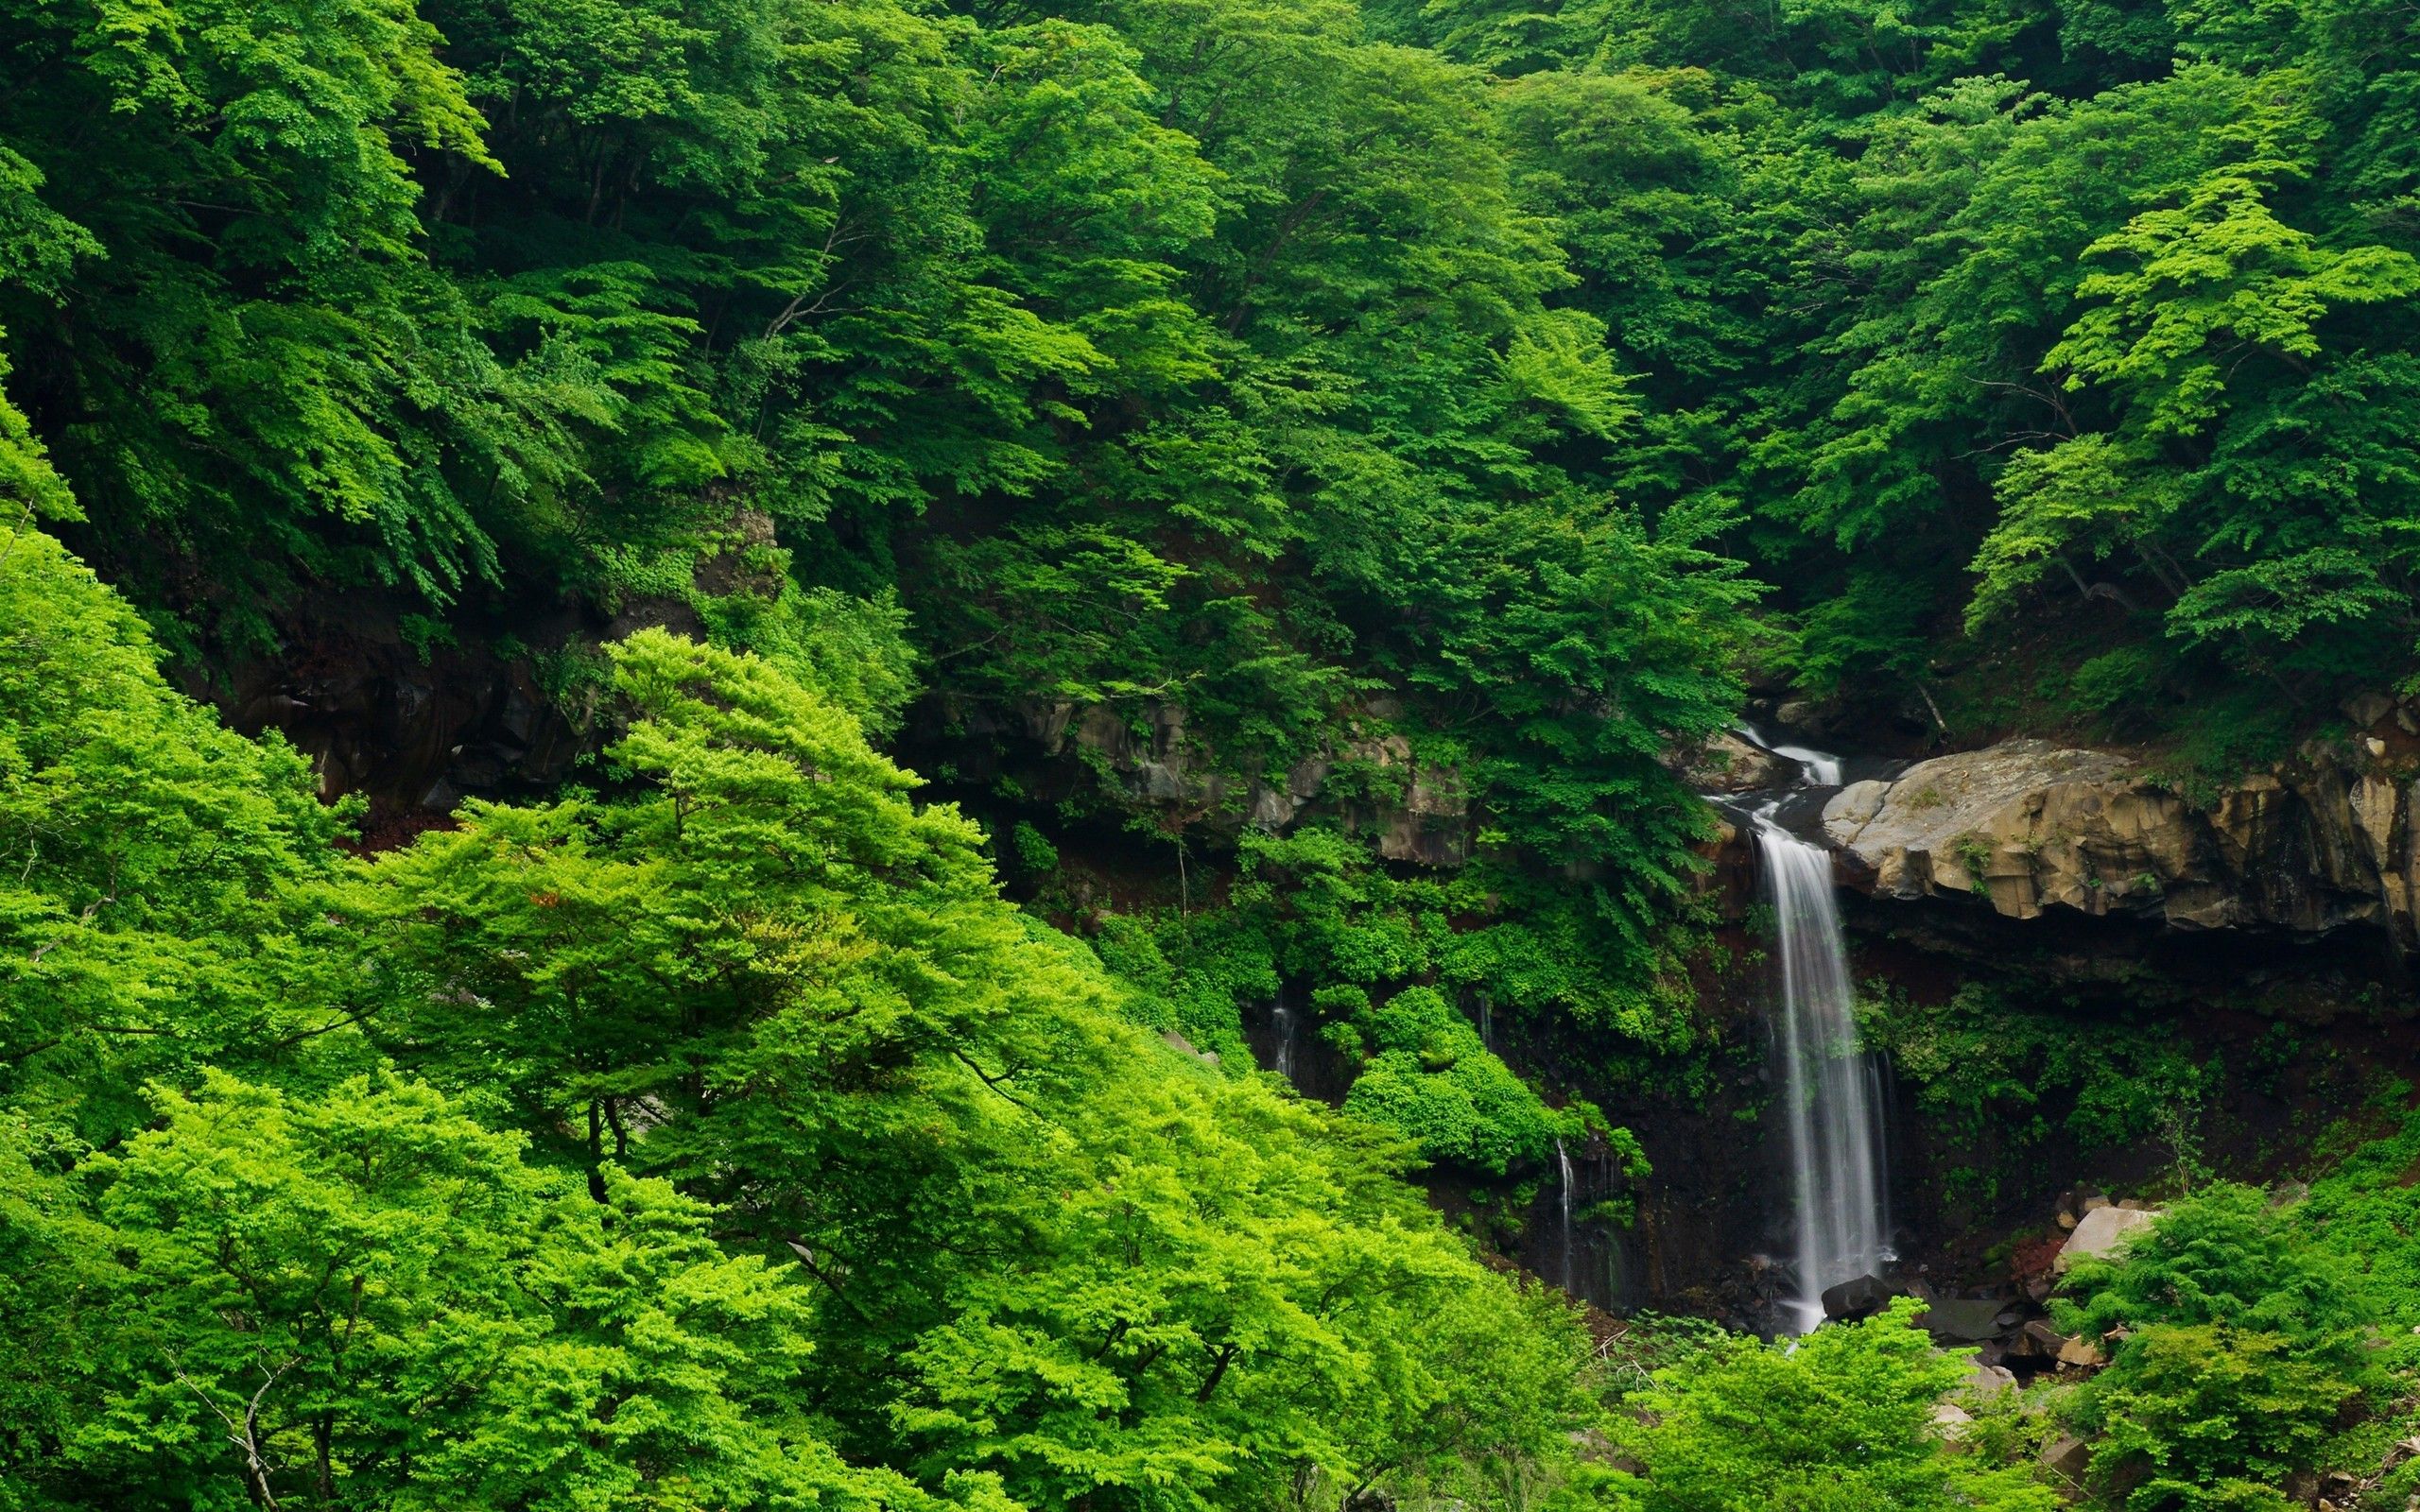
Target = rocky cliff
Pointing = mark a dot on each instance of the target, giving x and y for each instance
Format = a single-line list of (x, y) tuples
[(1153, 762), (2028, 826)]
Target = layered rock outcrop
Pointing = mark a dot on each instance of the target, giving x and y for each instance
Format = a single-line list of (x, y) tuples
[(2028, 826), (1422, 814)]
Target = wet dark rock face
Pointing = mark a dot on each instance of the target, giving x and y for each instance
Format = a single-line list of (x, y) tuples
[(1154, 762), (1711, 1226), (417, 727), (1712, 1220)]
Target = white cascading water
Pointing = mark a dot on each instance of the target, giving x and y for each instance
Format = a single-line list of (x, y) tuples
[(1562, 1159), (1843, 1227), (1819, 768), (1282, 1019)]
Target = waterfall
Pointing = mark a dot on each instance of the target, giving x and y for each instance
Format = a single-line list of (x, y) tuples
[(1282, 1017), (1562, 1159), (1835, 1102), (1486, 1024), (1821, 771), (1815, 768)]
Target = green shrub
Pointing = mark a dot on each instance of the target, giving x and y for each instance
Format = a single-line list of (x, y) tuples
[(2210, 1418), (2237, 1342), (1841, 1420)]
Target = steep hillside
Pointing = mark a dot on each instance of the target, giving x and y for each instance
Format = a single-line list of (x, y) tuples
[(762, 751)]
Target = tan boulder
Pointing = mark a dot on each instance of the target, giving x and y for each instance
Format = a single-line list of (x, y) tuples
[(1728, 763), (1988, 1380), (2100, 1233), (1951, 1421), (2028, 826)]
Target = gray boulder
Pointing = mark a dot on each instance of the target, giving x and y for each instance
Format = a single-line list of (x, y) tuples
[(1857, 1297), (1963, 1320), (1727, 764)]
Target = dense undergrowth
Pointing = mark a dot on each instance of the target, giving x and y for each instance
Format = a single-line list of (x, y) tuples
[(2259, 1354)]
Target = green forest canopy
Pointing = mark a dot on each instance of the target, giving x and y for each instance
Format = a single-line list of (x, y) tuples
[(727, 1142), (1497, 379)]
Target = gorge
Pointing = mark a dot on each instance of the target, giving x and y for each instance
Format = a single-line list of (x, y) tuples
[(1209, 756)]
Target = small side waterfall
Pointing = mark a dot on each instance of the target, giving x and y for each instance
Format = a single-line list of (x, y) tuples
[(1562, 1160), (1835, 1098), (1282, 1017)]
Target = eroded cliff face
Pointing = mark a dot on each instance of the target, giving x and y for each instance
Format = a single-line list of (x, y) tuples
[(1410, 810), (2030, 827)]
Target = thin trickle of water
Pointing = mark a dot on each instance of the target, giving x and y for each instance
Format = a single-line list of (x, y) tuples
[(1562, 1160), (1282, 1017), (1835, 1102), (1486, 1024), (1878, 1071)]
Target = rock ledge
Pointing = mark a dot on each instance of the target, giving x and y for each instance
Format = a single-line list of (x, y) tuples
[(2028, 826)]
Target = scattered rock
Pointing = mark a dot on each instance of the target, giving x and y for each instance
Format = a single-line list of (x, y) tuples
[(2078, 1354), (2367, 709), (2039, 1340), (2067, 1219), (2101, 1231), (2133, 1204), (1180, 1043), (1989, 1379), (1951, 1421), (2095, 1204), (2067, 1455), (1861, 1296), (1963, 1320)]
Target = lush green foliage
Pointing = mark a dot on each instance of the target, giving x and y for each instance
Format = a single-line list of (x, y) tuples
[(2238, 1344), (2110, 306), (2011, 1078), (2254, 1340), (1141, 357), (1387, 971), (724, 1141), (1843, 1419), (1408, 395)]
